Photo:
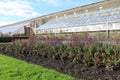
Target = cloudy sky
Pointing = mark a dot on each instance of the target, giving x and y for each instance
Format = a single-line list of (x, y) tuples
[(12, 11)]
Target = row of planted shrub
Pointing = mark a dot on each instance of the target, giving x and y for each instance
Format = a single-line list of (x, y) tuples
[(10, 39), (88, 54)]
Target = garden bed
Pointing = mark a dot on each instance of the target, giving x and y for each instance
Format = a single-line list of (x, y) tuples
[(78, 71), (88, 59)]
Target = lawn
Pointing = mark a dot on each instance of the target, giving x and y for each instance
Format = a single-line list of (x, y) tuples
[(13, 69)]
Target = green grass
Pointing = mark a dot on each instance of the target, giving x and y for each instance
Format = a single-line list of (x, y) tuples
[(13, 69)]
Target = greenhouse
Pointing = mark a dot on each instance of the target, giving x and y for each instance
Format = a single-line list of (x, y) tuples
[(108, 19)]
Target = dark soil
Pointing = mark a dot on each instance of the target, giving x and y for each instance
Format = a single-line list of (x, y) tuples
[(75, 70)]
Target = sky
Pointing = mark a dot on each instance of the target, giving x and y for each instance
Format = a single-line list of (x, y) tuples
[(12, 11)]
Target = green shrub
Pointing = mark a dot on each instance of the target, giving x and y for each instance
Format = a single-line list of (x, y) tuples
[(97, 54), (10, 39)]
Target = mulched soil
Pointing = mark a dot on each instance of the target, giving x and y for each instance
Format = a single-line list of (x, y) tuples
[(75, 70)]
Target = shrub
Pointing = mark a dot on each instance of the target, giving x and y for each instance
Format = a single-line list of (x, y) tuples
[(88, 53)]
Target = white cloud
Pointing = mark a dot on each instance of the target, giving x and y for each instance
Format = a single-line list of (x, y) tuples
[(17, 8), (6, 23), (53, 2), (4, 18)]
